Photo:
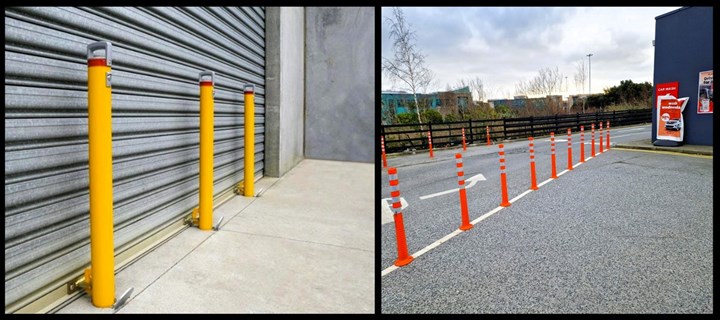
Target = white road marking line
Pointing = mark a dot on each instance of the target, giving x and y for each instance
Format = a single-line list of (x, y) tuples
[(491, 212), (473, 180), (437, 243), (544, 182), (556, 140), (562, 172), (387, 214), (388, 270), (521, 195)]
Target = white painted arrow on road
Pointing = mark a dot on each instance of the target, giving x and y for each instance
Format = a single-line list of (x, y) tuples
[(387, 214), (473, 180)]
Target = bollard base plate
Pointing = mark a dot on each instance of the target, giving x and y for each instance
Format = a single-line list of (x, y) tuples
[(466, 227), (505, 204)]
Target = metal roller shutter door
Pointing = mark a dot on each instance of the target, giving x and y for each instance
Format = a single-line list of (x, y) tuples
[(158, 53)]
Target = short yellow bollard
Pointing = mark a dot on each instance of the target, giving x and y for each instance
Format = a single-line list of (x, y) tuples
[(101, 280), (249, 140), (206, 149)]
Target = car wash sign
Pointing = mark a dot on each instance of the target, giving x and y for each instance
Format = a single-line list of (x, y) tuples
[(670, 124)]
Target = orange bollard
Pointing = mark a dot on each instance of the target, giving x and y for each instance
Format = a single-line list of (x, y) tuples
[(463, 134), (382, 148), (533, 181), (592, 154), (601, 143), (465, 225), (403, 257), (582, 143), (487, 134), (569, 150), (430, 143), (503, 179), (608, 135), (553, 173)]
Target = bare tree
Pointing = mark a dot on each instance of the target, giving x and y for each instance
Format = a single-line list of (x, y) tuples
[(545, 83), (408, 63), (580, 78), (477, 88), (580, 75)]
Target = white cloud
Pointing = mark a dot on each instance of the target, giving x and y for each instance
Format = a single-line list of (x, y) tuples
[(505, 45)]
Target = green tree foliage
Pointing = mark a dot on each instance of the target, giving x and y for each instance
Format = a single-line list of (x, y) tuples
[(406, 118), (504, 111), (432, 116), (627, 93)]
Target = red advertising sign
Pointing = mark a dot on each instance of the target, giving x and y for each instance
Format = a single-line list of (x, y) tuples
[(662, 89), (670, 124)]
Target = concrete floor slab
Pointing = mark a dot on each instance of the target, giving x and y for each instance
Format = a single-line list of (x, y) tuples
[(242, 273), (289, 250)]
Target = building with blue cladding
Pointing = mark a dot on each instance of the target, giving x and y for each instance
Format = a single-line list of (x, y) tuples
[(400, 100), (683, 48)]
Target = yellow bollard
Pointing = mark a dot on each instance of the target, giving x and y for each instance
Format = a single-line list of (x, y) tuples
[(249, 140), (101, 282), (206, 149)]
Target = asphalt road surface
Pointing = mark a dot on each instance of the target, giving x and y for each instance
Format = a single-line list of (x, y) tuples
[(624, 232)]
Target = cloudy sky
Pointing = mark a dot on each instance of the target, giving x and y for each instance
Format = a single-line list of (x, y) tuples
[(505, 45)]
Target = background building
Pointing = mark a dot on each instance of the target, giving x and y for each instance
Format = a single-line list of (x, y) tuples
[(399, 101)]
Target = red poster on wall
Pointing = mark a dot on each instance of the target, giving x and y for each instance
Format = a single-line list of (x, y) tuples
[(670, 124), (666, 88)]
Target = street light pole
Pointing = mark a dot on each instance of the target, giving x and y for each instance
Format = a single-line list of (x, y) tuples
[(589, 74)]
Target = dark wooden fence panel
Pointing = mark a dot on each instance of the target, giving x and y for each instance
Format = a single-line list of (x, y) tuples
[(400, 137)]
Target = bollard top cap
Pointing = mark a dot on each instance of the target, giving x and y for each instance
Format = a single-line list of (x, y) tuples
[(392, 170), (249, 88), (530, 138), (458, 156), (501, 146)]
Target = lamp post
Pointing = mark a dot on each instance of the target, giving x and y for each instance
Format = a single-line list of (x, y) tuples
[(589, 74)]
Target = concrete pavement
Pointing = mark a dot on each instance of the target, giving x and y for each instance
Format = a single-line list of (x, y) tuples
[(306, 245)]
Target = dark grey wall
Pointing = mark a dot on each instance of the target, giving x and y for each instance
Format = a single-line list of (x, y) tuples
[(683, 48), (340, 84)]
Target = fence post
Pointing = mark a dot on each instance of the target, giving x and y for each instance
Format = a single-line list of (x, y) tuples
[(471, 131), (596, 116), (532, 126), (504, 129), (577, 122), (613, 117)]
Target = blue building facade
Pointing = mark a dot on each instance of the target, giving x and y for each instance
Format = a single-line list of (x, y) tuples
[(400, 100), (684, 48)]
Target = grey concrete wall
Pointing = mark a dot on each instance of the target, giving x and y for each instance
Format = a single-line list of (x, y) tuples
[(284, 93), (340, 84)]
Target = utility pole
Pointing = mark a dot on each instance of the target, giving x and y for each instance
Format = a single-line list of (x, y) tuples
[(589, 74)]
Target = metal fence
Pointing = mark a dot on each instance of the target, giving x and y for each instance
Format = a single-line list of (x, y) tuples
[(400, 137)]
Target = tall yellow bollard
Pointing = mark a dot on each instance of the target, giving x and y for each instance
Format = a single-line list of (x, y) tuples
[(206, 149), (101, 284), (249, 140)]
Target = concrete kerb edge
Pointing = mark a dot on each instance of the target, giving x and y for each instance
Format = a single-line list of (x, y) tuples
[(653, 148)]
